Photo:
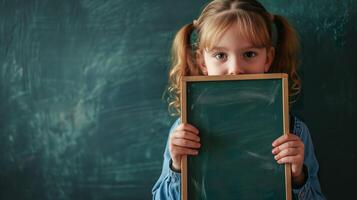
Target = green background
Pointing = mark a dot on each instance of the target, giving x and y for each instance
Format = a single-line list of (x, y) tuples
[(81, 84)]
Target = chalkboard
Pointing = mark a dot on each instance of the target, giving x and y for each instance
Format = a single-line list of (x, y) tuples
[(238, 117)]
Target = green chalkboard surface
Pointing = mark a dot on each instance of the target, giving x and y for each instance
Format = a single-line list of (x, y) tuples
[(238, 120)]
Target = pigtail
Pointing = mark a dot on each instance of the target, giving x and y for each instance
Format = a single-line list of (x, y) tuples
[(286, 54), (183, 64)]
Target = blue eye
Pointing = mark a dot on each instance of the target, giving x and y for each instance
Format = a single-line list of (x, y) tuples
[(220, 56), (249, 54)]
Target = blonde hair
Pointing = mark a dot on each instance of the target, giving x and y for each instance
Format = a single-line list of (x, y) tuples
[(254, 23)]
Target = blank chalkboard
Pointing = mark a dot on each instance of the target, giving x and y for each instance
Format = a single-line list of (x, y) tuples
[(81, 85), (238, 118)]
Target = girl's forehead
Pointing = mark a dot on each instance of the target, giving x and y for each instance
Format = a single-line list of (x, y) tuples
[(249, 27), (232, 37)]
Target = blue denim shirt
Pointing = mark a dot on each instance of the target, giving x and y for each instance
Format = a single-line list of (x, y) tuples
[(168, 186)]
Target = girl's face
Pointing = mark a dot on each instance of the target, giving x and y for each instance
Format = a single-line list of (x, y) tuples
[(234, 55)]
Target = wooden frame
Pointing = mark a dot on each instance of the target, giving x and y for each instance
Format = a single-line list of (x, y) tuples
[(285, 101)]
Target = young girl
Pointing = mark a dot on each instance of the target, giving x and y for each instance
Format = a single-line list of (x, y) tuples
[(237, 37)]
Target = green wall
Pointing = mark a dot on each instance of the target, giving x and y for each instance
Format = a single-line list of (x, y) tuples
[(81, 83)]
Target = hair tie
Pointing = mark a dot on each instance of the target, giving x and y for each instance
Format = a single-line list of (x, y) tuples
[(274, 31), (193, 39), (193, 36)]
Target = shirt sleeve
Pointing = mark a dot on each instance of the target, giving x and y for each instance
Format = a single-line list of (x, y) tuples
[(168, 186), (311, 190)]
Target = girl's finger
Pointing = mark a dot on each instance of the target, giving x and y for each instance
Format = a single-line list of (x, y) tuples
[(187, 127), (183, 151), (289, 159), (186, 135), (289, 144), (288, 152), (285, 138), (185, 143)]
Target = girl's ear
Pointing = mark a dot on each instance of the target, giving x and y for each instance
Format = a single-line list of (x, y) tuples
[(270, 58), (201, 63)]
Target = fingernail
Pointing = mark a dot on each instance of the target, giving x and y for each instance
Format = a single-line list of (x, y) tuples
[(275, 150)]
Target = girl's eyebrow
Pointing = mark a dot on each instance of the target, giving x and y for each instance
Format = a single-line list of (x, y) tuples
[(242, 49), (252, 47), (217, 49)]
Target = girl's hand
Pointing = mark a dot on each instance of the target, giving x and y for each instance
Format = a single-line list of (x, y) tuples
[(183, 141), (290, 149)]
